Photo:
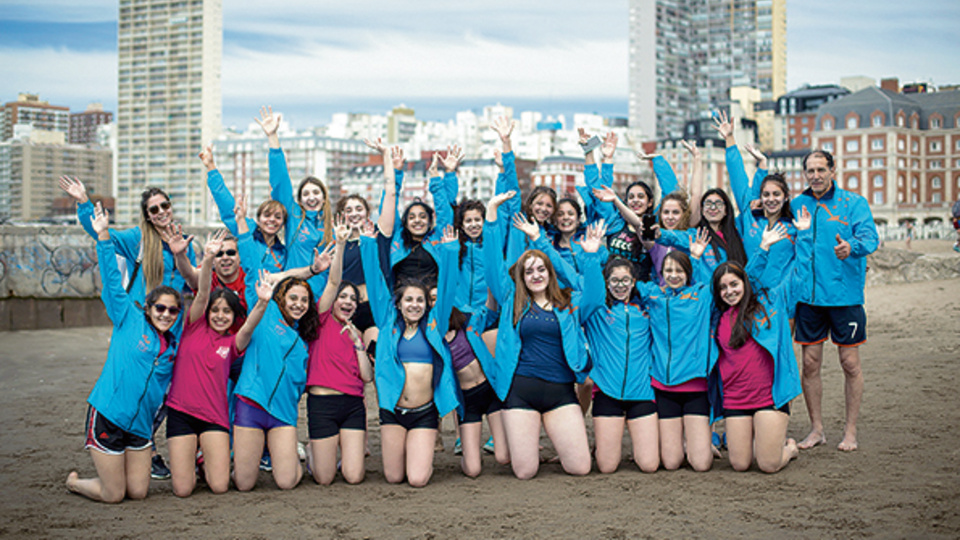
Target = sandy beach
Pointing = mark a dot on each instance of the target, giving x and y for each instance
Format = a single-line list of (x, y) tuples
[(903, 482)]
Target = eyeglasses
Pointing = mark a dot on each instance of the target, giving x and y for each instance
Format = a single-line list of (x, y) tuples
[(155, 209), (619, 282), (161, 309), (227, 252), (714, 205)]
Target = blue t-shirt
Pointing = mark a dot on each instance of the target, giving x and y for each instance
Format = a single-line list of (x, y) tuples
[(541, 349), (415, 350)]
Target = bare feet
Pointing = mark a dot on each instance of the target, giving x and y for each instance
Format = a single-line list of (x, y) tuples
[(72, 481), (792, 449), (849, 443), (815, 438)]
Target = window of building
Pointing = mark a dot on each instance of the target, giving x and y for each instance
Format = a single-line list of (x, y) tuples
[(900, 121), (936, 146), (852, 182), (935, 123), (805, 130), (852, 122), (901, 145), (806, 141), (915, 123), (877, 121), (914, 182), (876, 144), (827, 124), (936, 182), (828, 146), (900, 181), (913, 197), (876, 162), (793, 131), (877, 197), (851, 164), (915, 147), (936, 164), (877, 180), (852, 145), (792, 120)]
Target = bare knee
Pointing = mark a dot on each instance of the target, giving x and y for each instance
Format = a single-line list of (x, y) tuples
[(183, 490), (472, 470), (353, 478), (287, 481), (393, 478), (524, 473), (769, 466), (701, 464), (851, 365), (419, 480), (136, 493), (579, 468), (740, 465), (647, 465), (219, 487), (112, 496)]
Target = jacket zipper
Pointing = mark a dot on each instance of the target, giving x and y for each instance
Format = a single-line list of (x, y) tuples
[(669, 343), (283, 371), (146, 385), (813, 258), (626, 359)]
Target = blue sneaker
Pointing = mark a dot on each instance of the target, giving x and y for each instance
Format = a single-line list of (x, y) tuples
[(266, 464), (488, 446), (159, 469), (457, 448)]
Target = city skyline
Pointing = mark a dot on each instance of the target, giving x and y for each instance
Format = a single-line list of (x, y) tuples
[(439, 58)]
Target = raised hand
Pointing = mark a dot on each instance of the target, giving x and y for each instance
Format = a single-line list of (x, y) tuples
[(396, 158), (376, 145), (609, 146), (723, 125), (756, 204), (691, 147), (322, 259), (594, 238), (265, 286), (772, 235), (214, 243), (452, 159), (354, 333), (101, 219), (501, 198), (757, 155), (269, 122), (206, 157), (802, 220), (433, 170), (449, 235), (74, 187), (503, 126), (699, 246), (341, 229), (172, 234), (643, 156), (240, 210), (529, 226), (367, 229), (582, 136), (604, 194)]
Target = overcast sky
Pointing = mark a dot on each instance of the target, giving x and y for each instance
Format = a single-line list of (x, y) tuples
[(312, 58)]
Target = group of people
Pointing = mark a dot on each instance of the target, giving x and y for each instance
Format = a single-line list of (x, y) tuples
[(530, 310)]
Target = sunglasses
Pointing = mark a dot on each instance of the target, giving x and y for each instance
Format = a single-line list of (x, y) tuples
[(227, 252), (161, 309), (155, 209)]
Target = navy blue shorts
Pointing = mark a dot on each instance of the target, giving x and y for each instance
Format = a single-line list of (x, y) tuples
[(539, 395), (327, 415), (604, 405), (847, 325), (478, 401), (678, 404)]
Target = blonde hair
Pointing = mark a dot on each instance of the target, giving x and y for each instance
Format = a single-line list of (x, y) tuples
[(151, 244)]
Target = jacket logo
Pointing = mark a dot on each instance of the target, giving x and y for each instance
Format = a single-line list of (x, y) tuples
[(144, 344), (223, 351), (689, 296), (832, 217)]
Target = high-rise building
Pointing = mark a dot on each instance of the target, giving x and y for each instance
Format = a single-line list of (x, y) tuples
[(686, 55), (28, 109), (169, 101), (83, 125)]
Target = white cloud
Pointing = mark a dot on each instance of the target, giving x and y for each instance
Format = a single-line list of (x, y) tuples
[(60, 76)]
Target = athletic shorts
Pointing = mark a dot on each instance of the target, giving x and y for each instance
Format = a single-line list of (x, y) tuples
[(539, 395), (478, 401), (104, 436), (422, 417), (604, 405), (180, 423), (254, 417), (847, 325), (327, 415), (732, 413), (680, 404), (363, 317)]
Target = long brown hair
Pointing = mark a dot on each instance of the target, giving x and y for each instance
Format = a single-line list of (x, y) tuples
[(327, 217), (748, 308), (151, 243), (560, 298), (684, 203)]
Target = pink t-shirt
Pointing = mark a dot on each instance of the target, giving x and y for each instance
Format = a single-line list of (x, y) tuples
[(200, 373), (693, 385), (333, 360), (747, 372)]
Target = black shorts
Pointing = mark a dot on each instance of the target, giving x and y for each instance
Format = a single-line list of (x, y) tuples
[(180, 423), (363, 317), (422, 417), (478, 401), (539, 395), (104, 436), (679, 404), (327, 415), (604, 405), (847, 325), (731, 413)]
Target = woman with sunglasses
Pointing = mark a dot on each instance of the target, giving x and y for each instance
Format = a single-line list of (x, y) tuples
[(133, 382), (150, 263), (198, 408), (271, 216)]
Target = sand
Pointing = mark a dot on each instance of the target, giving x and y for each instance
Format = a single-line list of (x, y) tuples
[(903, 482)]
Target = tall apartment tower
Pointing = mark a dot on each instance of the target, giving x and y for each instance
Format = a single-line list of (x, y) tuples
[(169, 101), (685, 55)]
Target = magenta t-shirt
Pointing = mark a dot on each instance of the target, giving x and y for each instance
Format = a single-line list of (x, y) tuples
[(333, 360), (200, 373), (747, 372)]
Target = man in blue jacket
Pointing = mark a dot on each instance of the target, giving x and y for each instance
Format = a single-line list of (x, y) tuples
[(843, 235)]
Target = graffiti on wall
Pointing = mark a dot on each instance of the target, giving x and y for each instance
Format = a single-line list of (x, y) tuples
[(47, 262)]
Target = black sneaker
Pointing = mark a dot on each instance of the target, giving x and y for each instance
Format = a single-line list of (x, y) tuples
[(158, 469)]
